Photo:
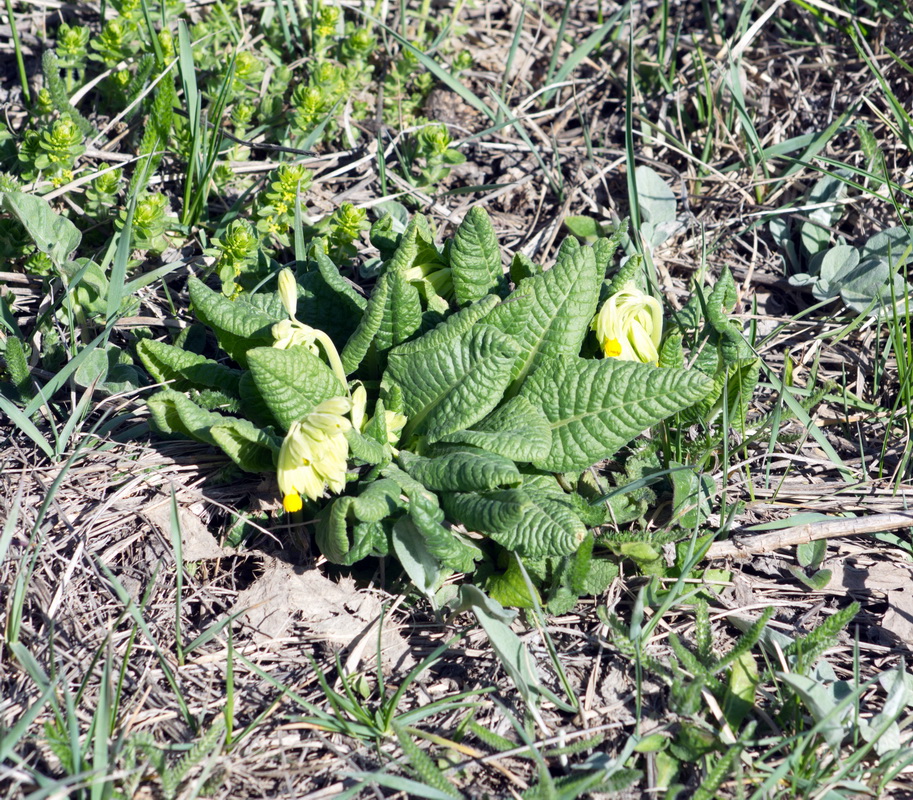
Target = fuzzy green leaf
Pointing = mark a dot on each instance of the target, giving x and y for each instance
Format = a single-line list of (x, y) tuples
[(238, 325), (52, 234), (517, 430), (165, 362), (292, 381), (461, 471), (250, 447), (475, 257), (550, 314), (452, 387), (595, 407)]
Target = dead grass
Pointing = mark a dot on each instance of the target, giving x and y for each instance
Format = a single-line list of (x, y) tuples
[(111, 507)]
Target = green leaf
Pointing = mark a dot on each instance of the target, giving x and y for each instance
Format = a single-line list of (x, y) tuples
[(238, 325), (475, 257), (510, 589), (423, 569), (453, 328), (379, 500), (533, 525), (330, 273), (692, 494), (292, 382), (596, 407), (392, 315), (516, 430), (250, 447), (447, 546), (187, 370), (493, 511), (461, 471), (366, 449), (811, 554), (584, 227), (173, 412), (332, 534), (449, 388), (52, 234), (255, 407), (550, 314)]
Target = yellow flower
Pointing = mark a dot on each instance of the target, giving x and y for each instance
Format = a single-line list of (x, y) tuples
[(314, 454), (629, 326)]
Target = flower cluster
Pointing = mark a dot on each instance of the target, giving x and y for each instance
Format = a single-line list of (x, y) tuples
[(630, 325), (314, 454)]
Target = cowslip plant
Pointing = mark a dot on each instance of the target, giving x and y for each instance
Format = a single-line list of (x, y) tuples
[(464, 425)]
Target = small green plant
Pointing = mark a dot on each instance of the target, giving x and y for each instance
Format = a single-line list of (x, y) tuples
[(867, 279)]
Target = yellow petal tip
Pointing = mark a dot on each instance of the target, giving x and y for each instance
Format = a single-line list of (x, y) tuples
[(292, 502)]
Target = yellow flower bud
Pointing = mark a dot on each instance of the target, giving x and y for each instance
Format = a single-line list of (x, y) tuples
[(359, 407), (288, 292), (629, 326)]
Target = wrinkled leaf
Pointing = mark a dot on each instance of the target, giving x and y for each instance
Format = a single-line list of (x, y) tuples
[(475, 258), (595, 407), (292, 382)]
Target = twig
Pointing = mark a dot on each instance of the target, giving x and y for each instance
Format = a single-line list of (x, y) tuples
[(746, 545)]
